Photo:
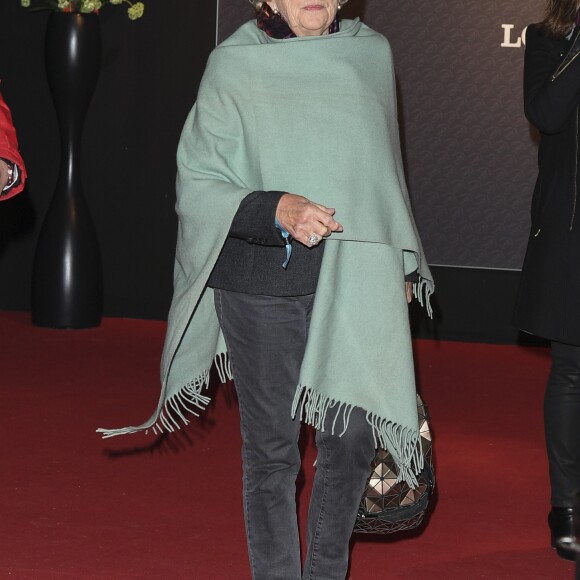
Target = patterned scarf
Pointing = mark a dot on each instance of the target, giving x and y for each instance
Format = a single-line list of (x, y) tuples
[(275, 26)]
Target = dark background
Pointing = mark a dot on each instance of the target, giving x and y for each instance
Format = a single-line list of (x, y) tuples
[(149, 77), (470, 154)]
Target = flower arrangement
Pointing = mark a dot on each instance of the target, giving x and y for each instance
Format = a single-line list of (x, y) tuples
[(134, 11)]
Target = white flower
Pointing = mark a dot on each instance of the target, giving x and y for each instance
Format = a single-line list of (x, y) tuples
[(90, 6), (136, 11)]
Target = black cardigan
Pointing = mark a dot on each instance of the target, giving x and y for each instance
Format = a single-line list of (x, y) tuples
[(548, 302), (252, 257)]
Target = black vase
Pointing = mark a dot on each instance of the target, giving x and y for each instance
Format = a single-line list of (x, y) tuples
[(67, 280)]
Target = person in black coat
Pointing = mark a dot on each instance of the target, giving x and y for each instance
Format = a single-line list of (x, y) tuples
[(548, 302)]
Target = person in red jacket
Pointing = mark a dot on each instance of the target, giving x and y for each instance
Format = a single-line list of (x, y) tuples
[(12, 170)]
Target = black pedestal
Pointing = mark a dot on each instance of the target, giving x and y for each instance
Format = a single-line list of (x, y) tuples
[(67, 286)]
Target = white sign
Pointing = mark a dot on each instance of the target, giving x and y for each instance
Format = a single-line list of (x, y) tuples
[(511, 40)]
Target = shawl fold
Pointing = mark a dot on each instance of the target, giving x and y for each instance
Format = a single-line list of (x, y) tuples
[(315, 116)]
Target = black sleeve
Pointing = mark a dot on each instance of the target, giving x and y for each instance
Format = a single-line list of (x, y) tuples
[(551, 79), (254, 221)]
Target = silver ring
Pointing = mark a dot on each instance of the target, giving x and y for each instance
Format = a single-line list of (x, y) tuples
[(313, 239)]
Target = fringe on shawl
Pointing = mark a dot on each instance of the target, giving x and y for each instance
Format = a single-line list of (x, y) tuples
[(188, 399), (422, 291), (312, 407)]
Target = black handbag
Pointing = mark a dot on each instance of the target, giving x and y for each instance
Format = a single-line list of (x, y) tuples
[(388, 506)]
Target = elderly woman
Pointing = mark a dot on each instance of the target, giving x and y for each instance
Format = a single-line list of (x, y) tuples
[(295, 237), (548, 303)]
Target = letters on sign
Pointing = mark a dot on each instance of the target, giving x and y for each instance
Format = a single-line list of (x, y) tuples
[(510, 39)]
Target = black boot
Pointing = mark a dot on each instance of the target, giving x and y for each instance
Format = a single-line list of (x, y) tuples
[(561, 521)]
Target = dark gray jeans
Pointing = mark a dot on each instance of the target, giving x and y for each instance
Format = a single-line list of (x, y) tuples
[(266, 338)]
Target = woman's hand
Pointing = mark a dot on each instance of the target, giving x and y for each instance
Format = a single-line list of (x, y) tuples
[(409, 291), (306, 221)]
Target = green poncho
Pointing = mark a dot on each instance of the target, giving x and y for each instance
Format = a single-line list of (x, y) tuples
[(315, 116)]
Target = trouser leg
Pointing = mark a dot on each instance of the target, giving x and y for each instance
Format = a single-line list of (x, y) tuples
[(562, 423), (343, 467), (266, 337)]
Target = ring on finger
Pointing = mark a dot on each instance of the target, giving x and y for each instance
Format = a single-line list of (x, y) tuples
[(313, 239)]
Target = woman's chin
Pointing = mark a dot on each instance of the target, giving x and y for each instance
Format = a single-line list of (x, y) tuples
[(314, 24)]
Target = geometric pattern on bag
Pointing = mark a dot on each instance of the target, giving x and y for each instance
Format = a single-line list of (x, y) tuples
[(388, 506)]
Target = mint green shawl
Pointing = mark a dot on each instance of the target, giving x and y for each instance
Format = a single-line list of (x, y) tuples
[(314, 116)]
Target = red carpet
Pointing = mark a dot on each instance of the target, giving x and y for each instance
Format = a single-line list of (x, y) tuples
[(141, 507)]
